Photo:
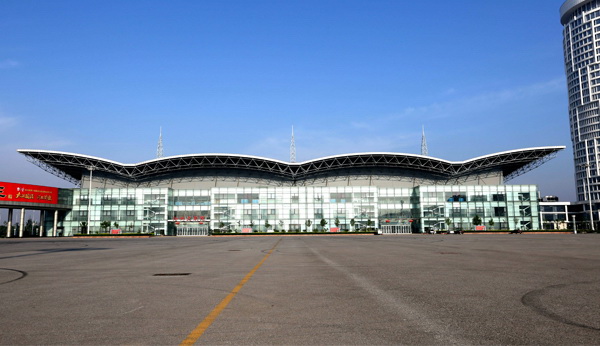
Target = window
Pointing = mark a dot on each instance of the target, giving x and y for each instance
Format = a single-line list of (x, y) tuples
[(499, 211), (553, 208), (245, 198), (457, 212), (294, 213), (457, 197), (341, 197), (478, 198), (524, 196), (525, 210), (499, 197), (128, 200)]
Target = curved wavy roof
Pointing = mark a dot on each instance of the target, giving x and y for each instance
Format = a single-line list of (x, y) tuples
[(73, 167)]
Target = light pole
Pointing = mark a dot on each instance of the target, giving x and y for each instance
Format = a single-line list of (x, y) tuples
[(589, 192), (401, 208), (89, 211)]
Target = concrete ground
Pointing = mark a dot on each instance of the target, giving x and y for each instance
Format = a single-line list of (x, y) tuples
[(356, 290)]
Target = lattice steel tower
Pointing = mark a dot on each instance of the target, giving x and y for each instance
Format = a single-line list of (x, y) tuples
[(424, 151), (293, 148), (159, 148), (581, 44)]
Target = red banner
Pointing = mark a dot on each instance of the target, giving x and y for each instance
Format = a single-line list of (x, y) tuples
[(28, 193)]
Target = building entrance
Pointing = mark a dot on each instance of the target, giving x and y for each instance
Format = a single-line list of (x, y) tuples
[(396, 229), (192, 231)]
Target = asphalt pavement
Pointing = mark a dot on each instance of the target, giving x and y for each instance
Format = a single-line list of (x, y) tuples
[(302, 290)]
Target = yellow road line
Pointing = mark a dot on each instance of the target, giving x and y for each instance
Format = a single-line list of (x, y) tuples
[(212, 316)]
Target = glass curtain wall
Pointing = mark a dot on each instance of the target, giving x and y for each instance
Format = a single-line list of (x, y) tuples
[(189, 212), (498, 207), (125, 210), (307, 209), (164, 211), (398, 207)]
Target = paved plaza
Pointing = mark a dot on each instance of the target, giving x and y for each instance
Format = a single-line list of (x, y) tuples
[(302, 290)]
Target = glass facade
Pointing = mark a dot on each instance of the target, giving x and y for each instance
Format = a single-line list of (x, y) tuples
[(131, 210), (497, 207), (273, 209)]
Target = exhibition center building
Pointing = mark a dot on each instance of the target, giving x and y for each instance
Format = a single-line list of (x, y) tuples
[(200, 193)]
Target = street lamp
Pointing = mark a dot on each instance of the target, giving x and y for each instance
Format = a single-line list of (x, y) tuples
[(589, 192), (89, 212), (401, 208)]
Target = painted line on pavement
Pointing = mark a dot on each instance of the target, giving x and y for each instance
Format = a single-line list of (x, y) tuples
[(212, 316)]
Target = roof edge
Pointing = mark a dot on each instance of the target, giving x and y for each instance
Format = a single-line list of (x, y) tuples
[(553, 148)]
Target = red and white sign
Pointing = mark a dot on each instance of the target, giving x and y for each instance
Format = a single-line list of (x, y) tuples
[(246, 230), (480, 228), (189, 218), (334, 229), (28, 193)]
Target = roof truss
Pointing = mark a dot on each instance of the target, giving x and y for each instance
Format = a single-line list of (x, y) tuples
[(72, 167)]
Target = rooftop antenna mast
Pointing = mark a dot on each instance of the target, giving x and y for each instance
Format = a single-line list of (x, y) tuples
[(424, 144), (293, 148), (159, 148)]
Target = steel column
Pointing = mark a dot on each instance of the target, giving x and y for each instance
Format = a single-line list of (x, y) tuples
[(9, 225), (21, 226), (54, 231)]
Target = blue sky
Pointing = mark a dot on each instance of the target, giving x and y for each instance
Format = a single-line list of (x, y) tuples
[(101, 77)]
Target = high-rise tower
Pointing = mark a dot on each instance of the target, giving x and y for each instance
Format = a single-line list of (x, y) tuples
[(581, 45)]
